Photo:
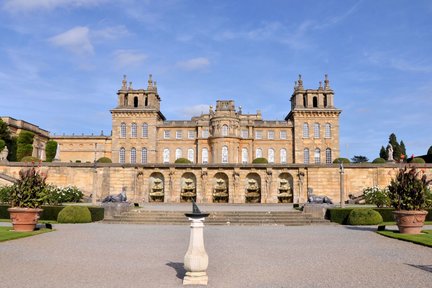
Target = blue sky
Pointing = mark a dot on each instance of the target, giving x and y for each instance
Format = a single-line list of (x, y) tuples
[(62, 61)]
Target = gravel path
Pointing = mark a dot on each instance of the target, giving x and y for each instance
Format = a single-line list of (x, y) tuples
[(107, 255)]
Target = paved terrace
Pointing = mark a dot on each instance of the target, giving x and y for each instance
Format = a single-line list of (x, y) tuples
[(106, 255)]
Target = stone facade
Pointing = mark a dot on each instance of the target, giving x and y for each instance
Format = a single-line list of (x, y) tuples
[(225, 135)]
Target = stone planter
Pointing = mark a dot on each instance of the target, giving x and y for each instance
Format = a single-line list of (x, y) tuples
[(410, 222), (24, 219)]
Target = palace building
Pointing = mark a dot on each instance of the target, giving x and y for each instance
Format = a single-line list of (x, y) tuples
[(141, 134)]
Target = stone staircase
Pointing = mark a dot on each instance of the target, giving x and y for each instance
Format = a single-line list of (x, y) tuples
[(287, 218)]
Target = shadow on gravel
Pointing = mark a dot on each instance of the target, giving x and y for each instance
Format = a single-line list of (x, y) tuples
[(427, 268), (179, 269), (361, 228)]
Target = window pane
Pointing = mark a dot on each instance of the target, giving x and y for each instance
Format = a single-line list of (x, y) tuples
[(306, 156), (245, 155), (244, 133), (258, 134), (191, 155), (134, 130), (145, 130), (258, 153), (204, 155), (167, 134), (317, 156), (316, 130), (123, 130), (178, 134), (305, 130), (144, 156), (122, 155), (283, 135), (283, 156), (328, 156), (270, 135), (191, 134), (166, 155), (133, 155), (224, 154), (271, 155), (327, 130)]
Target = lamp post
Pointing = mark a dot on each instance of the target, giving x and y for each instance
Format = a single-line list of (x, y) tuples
[(341, 172)]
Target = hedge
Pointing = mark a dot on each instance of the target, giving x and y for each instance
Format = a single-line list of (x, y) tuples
[(260, 160), (74, 214), (340, 215), (379, 161), (51, 212), (361, 216)]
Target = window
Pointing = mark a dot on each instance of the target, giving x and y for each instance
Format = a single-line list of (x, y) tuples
[(205, 133), (145, 130), (134, 130), (316, 130), (191, 134), (317, 156), (271, 155), (123, 130), (133, 156), (270, 134), (327, 130), (245, 155), (178, 153), (225, 130), (122, 155), (178, 134), (325, 100), (283, 135), (328, 156), (306, 156), (166, 155), (258, 134), (258, 153), (144, 155), (224, 154), (315, 102), (283, 156), (305, 130), (190, 155), (135, 102), (167, 134), (245, 133), (204, 155)]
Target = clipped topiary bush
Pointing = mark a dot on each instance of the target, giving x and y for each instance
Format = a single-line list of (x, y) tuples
[(417, 160), (29, 159), (2, 144), (74, 214), (25, 144), (364, 217), (344, 160), (50, 150), (260, 161), (104, 160), (379, 161), (182, 161)]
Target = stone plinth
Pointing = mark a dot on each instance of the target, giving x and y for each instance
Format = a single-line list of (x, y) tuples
[(316, 210), (112, 209), (196, 258)]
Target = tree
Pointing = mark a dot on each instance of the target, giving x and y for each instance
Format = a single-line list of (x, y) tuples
[(4, 131), (429, 152), (383, 153), (50, 150), (359, 159), (25, 144), (403, 149), (398, 149)]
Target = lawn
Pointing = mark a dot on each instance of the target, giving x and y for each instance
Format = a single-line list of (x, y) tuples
[(6, 233), (424, 238)]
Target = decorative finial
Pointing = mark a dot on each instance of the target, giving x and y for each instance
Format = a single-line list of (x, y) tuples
[(155, 85), (300, 82), (150, 82), (320, 85), (130, 85), (124, 83), (326, 82)]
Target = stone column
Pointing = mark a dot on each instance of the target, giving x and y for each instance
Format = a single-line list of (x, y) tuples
[(196, 258)]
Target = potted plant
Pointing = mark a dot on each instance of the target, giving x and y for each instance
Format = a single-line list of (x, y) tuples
[(407, 193), (26, 196)]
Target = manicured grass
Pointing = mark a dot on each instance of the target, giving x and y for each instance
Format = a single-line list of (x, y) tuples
[(423, 239), (40, 221), (390, 223), (6, 233)]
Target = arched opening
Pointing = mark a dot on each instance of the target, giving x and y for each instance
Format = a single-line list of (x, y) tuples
[(156, 187), (325, 100), (188, 187), (125, 100), (220, 188), (304, 101), (135, 101), (285, 188), (253, 188), (315, 102), (146, 101)]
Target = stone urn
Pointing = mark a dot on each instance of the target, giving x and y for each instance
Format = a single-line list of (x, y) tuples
[(24, 219), (410, 221)]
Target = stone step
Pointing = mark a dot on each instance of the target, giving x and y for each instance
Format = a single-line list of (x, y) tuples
[(288, 218)]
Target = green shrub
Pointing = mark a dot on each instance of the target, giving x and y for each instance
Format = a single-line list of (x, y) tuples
[(386, 213), (97, 213), (364, 217), (25, 144), (104, 160), (417, 160), (50, 150), (344, 160), (2, 144), (29, 159), (5, 194), (24, 150), (12, 147), (260, 161), (182, 161), (375, 195), (77, 161), (379, 161), (29, 189), (74, 214), (338, 215)]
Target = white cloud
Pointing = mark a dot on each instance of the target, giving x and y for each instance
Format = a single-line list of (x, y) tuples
[(75, 40), (110, 33), (31, 5), (129, 57), (191, 111), (194, 64), (398, 62)]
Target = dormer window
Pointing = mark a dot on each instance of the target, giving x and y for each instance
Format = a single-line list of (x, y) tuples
[(135, 101)]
